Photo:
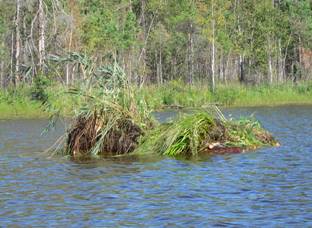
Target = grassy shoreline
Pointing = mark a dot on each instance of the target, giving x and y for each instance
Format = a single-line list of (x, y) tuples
[(19, 105), (177, 94)]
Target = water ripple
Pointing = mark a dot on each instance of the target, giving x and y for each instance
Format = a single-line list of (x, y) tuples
[(269, 187)]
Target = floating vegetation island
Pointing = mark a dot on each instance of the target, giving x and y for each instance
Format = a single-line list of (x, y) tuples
[(110, 122), (194, 134), (187, 136)]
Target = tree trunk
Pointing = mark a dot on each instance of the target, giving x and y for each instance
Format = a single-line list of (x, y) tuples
[(226, 67), (143, 24), (17, 47), (1, 74), (280, 62), (160, 67), (269, 52), (190, 56), (213, 86), (41, 43), (241, 69), (70, 46), (174, 65), (67, 74), (12, 59), (221, 66), (270, 69), (157, 68)]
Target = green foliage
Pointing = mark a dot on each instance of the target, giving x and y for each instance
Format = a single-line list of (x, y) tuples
[(180, 138), (130, 30), (106, 29), (243, 133), (2, 26), (226, 96), (12, 95), (191, 135), (177, 94), (300, 19), (39, 88), (304, 89), (16, 103)]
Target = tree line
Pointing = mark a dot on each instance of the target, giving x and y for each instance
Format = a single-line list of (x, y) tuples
[(155, 41)]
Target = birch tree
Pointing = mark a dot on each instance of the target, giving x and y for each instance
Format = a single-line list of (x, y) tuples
[(17, 47)]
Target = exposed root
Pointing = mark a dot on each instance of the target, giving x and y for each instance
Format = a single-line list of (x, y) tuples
[(123, 139), (88, 133), (82, 136)]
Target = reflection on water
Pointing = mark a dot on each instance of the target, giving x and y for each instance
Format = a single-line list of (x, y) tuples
[(269, 187)]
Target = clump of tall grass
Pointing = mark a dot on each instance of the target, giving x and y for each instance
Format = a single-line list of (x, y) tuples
[(202, 132), (107, 118), (247, 133), (182, 137)]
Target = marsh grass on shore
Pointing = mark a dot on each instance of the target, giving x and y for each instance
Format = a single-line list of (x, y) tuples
[(19, 103), (177, 94)]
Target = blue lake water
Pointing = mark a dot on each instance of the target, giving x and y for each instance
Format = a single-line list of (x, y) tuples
[(270, 187)]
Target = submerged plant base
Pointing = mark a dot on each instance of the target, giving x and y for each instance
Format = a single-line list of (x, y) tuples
[(95, 136)]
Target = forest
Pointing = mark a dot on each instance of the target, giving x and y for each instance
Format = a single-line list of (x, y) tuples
[(160, 44)]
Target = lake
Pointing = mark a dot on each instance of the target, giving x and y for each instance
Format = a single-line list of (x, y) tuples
[(268, 187)]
